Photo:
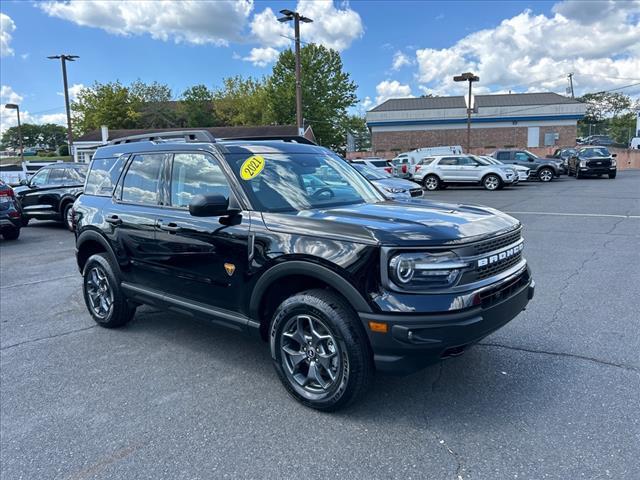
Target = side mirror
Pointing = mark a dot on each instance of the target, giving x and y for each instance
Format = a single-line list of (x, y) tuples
[(614, 155), (209, 206), (24, 182)]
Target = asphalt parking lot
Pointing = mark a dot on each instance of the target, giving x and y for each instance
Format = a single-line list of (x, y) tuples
[(554, 394)]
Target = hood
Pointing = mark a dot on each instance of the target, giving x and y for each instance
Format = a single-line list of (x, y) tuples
[(414, 222), (395, 183)]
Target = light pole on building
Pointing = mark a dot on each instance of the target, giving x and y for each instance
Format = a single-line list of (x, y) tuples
[(63, 60), (13, 106), (468, 77), (297, 18)]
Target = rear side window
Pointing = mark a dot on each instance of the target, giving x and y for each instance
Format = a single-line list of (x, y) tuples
[(57, 176), (142, 179), (378, 163), (193, 174), (448, 161), (427, 161), (503, 156), (103, 176)]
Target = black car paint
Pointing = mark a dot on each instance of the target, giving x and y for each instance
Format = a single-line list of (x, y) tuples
[(171, 259), (534, 163), (10, 210), (47, 202), (600, 165)]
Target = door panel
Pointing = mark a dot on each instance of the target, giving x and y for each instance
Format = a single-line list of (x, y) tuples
[(449, 169)]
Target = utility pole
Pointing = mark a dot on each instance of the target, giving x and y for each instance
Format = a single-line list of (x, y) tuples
[(297, 18), (13, 106), (63, 60), (571, 84), (468, 77)]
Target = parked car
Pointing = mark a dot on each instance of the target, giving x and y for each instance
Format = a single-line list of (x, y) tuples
[(522, 172), (338, 283), (603, 140), (562, 155), (634, 144), (49, 194), (404, 165), (588, 161), (390, 186), (545, 169), (442, 171), (377, 163), (10, 213)]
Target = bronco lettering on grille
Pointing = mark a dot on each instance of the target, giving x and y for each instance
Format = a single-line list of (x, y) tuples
[(499, 257)]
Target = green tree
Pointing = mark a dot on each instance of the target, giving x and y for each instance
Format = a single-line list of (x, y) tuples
[(197, 107), (356, 126), (154, 105), (110, 104), (327, 93), (242, 102), (608, 113), (48, 136)]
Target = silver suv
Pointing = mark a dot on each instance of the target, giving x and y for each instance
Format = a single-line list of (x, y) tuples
[(439, 171)]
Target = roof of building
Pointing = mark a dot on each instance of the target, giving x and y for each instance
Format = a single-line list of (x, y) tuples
[(501, 100), (218, 132)]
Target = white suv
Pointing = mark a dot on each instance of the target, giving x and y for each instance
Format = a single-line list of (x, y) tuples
[(439, 171)]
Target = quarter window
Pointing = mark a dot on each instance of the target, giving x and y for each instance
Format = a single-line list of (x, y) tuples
[(194, 174), (141, 180)]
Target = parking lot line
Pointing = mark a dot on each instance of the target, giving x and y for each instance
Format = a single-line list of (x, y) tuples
[(558, 214)]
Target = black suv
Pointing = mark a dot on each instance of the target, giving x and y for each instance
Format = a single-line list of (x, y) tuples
[(545, 169), (588, 161), (337, 279), (49, 194)]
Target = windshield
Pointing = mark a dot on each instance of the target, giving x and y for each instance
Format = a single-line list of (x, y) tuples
[(370, 173), (480, 160), (302, 181), (594, 152)]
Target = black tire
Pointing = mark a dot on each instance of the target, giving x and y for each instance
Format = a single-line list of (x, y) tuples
[(431, 182), (578, 176), (66, 220), (546, 175), (117, 311), (323, 374), (12, 234), (492, 182), (612, 175)]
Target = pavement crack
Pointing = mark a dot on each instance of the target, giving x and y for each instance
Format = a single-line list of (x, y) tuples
[(34, 282), (48, 337), (564, 354), (438, 377), (458, 475)]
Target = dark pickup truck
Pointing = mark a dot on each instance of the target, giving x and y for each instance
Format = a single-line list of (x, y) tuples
[(545, 169), (562, 155)]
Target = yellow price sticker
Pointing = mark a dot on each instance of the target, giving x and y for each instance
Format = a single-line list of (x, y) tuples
[(251, 167)]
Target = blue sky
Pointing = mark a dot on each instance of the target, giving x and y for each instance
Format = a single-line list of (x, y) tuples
[(391, 49)]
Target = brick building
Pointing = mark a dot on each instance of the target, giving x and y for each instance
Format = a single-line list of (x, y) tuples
[(498, 121)]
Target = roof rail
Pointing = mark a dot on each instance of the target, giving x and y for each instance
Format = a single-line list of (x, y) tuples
[(186, 135), (283, 138)]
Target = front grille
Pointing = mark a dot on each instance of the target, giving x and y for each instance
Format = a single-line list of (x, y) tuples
[(495, 268), (496, 243), (599, 163), (492, 296), (416, 192)]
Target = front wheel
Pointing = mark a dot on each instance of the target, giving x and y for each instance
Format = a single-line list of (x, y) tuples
[(431, 182), (67, 216), (320, 350), (12, 234), (491, 182), (612, 175), (545, 175)]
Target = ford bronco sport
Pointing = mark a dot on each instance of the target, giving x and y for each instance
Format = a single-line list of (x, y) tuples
[(338, 280)]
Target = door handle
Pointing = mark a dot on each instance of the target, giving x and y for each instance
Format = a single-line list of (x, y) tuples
[(114, 220), (168, 227)]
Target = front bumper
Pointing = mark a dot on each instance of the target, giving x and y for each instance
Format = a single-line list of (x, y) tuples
[(414, 341), (604, 170)]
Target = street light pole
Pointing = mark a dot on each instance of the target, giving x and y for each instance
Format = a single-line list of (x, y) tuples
[(13, 106), (468, 77), (63, 60), (297, 18)]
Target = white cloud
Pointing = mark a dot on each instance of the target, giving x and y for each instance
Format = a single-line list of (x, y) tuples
[(7, 95), (74, 90), (535, 52), (391, 89), (261, 57), (367, 102), (7, 27), (268, 31), (332, 27), (58, 118), (24, 56), (400, 60), (193, 21)]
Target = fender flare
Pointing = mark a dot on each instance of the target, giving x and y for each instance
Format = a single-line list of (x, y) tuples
[(90, 235), (298, 267)]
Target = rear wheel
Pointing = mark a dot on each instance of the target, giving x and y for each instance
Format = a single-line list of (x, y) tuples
[(320, 350), (12, 234), (431, 182), (491, 182), (545, 175)]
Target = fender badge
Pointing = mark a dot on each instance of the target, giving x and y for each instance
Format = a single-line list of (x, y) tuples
[(230, 268)]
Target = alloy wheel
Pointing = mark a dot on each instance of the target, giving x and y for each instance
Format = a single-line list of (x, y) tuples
[(546, 175), (99, 292), (431, 183), (311, 357), (491, 182)]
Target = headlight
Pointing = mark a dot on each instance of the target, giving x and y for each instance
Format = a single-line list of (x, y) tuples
[(394, 190), (583, 163), (423, 271), (613, 162)]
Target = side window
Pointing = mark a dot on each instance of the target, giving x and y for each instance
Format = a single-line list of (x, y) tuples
[(193, 174), (40, 178), (426, 161), (57, 176), (75, 176), (448, 161), (103, 175), (503, 156), (141, 181), (521, 157)]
